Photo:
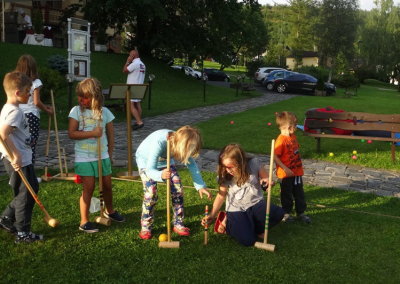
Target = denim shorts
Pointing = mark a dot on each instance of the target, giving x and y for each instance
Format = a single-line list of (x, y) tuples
[(89, 169)]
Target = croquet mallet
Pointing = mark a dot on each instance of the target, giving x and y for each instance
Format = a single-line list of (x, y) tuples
[(56, 129), (206, 226), (45, 177), (169, 243), (47, 219), (265, 245), (101, 219)]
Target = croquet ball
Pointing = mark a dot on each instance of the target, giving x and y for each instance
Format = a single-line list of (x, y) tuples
[(331, 154), (39, 180), (163, 238), (232, 122), (49, 174), (362, 140), (369, 141), (276, 113), (269, 123), (78, 179), (354, 157), (355, 152), (323, 132)]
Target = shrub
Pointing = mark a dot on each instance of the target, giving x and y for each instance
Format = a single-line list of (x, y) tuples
[(316, 72), (252, 67), (58, 63), (345, 80), (364, 73), (320, 83), (38, 22), (52, 80)]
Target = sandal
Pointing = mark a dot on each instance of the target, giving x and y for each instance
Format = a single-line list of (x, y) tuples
[(219, 227)]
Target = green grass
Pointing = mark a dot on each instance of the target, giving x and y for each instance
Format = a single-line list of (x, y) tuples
[(254, 123), (338, 247), (171, 90)]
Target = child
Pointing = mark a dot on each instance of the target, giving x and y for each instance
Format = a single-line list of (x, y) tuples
[(27, 65), (151, 160), (289, 167), (240, 178), (83, 127), (14, 130)]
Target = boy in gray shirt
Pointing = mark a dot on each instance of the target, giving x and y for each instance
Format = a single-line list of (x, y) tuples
[(14, 131)]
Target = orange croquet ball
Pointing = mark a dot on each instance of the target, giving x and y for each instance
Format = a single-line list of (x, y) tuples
[(163, 238)]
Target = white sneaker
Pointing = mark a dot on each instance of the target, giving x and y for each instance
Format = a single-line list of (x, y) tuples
[(39, 180)]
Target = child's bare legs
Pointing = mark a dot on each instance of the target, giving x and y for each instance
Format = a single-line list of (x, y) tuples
[(136, 111), (84, 202), (108, 194)]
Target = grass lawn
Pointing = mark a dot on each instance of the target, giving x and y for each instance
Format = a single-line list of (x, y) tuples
[(171, 90), (338, 247), (373, 97)]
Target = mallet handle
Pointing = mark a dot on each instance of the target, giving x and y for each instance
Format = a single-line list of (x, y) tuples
[(65, 162), (206, 227), (48, 146), (56, 129), (271, 164), (9, 154), (168, 190), (100, 175)]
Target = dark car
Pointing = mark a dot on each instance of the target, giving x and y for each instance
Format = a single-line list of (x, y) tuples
[(301, 82), (216, 75), (271, 77)]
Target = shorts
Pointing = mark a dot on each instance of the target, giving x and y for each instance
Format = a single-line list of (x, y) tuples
[(89, 169), (136, 100)]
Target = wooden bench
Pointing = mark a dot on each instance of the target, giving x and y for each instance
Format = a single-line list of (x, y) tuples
[(360, 121)]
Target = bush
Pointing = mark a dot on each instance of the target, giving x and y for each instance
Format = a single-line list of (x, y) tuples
[(316, 72), (252, 67), (364, 73), (52, 80), (345, 80), (58, 63), (38, 22), (320, 82)]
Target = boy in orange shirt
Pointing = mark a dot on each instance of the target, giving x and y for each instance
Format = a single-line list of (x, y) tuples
[(289, 167)]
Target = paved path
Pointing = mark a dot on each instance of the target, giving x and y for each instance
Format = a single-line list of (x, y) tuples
[(318, 173)]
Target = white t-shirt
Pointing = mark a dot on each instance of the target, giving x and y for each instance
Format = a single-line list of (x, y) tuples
[(137, 71), (13, 116), (30, 106), (27, 21)]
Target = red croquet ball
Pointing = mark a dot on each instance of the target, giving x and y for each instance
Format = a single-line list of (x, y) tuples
[(269, 123), (232, 122), (276, 113), (49, 174), (354, 157), (78, 179), (369, 142)]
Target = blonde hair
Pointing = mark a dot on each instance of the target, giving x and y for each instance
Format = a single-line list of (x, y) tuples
[(27, 65), (16, 81), (287, 118), (239, 159), (186, 142), (90, 88)]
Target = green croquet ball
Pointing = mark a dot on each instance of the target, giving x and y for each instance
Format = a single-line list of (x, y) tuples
[(362, 140)]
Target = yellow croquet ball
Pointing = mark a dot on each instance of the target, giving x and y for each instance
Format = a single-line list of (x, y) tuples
[(163, 238), (331, 154), (355, 152)]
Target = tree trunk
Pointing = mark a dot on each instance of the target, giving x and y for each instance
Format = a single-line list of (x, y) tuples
[(330, 69)]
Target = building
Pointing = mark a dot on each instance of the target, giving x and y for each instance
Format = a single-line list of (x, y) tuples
[(309, 58)]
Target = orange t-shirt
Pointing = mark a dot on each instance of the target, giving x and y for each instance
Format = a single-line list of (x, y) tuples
[(287, 149)]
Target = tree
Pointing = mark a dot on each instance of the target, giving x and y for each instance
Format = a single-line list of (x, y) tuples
[(336, 29)]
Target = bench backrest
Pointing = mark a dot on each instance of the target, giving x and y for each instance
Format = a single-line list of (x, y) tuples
[(357, 121)]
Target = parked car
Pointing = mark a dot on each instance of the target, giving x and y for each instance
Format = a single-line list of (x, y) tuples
[(261, 73), (216, 75), (301, 82), (190, 71), (271, 77)]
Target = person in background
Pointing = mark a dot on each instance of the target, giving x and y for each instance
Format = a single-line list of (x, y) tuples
[(136, 70), (26, 19)]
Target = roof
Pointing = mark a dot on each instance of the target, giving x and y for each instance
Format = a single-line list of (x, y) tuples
[(306, 54)]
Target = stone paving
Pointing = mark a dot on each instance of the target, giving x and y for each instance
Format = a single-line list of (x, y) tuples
[(317, 173)]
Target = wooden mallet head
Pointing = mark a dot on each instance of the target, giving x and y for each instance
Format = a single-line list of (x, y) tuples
[(268, 247), (51, 221), (168, 244), (102, 220), (46, 177)]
